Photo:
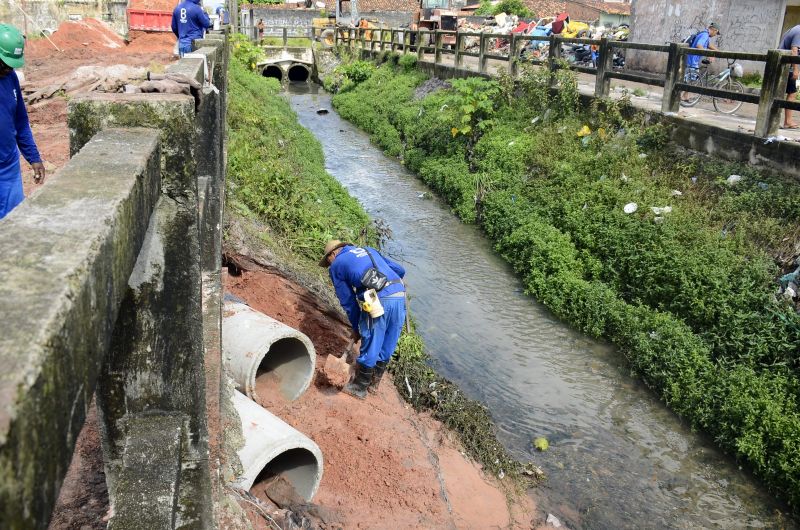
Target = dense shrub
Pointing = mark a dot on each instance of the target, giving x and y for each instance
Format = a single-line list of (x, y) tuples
[(684, 286)]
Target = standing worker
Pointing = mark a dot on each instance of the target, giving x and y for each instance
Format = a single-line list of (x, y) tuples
[(347, 267), (189, 22), (15, 134), (222, 13), (790, 41)]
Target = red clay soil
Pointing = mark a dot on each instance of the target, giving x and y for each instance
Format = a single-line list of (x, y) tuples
[(83, 501), (385, 466), (43, 64)]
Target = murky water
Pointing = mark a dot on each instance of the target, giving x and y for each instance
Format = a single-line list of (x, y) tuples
[(618, 458)]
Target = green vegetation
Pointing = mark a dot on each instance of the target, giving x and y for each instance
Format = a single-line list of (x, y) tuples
[(510, 7), (752, 80), (276, 175), (277, 171), (684, 286)]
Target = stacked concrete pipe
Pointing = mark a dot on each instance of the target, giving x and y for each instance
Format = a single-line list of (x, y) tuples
[(272, 448), (255, 345)]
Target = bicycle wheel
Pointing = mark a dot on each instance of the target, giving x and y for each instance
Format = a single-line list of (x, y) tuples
[(694, 79), (728, 105)]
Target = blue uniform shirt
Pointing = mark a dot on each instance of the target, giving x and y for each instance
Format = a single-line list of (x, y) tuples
[(189, 22), (346, 271), (223, 15), (791, 38), (15, 130), (701, 39)]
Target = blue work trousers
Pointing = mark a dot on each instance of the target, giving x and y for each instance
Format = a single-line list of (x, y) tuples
[(184, 47), (379, 336), (10, 187)]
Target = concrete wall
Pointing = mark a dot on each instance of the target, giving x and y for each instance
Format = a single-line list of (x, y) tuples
[(301, 18), (48, 14), (116, 263), (746, 25)]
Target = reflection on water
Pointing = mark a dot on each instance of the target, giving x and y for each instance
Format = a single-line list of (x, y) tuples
[(618, 458)]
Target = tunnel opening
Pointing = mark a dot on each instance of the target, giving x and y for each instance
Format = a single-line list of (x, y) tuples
[(286, 365), (299, 73), (298, 466), (273, 71)]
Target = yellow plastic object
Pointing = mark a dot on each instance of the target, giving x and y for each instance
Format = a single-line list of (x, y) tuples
[(585, 131)]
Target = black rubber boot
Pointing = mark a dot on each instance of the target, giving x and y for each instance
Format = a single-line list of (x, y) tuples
[(380, 367), (358, 386)]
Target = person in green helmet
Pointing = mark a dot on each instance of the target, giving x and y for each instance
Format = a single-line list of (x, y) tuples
[(15, 130)]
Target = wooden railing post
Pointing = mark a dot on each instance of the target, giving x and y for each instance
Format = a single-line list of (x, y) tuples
[(512, 55), (602, 84), (676, 61), (776, 76), (285, 37), (554, 55), (482, 54), (406, 42), (420, 46), (459, 43), (437, 50), (383, 39)]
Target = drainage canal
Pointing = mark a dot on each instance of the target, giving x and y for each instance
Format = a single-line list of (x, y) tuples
[(273, 71), (618, 458), (299, 73)]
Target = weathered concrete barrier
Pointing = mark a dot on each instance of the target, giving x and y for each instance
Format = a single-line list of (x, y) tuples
[(67, 254), (112, 272)]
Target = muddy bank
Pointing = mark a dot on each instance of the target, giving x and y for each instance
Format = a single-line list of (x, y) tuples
[(383, 461)]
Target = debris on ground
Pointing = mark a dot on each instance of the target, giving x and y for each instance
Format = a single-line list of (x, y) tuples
[(434, 84), (335, 372)]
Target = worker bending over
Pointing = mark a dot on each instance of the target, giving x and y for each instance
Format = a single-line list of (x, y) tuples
[(15, 130), (348, 265)]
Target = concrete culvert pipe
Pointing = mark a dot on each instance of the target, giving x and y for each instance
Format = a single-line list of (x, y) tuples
[(265, 355), (299, 72), (274, 448), (273, 71)]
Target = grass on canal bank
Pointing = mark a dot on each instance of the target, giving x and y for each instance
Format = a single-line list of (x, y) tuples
[(277, 177), (683, 281)]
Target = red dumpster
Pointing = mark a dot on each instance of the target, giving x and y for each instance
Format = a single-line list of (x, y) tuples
[(149, 20)]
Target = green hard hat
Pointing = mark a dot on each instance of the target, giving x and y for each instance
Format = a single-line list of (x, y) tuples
[(12, 44)]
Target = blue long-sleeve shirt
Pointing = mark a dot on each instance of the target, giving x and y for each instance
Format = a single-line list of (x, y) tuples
[(15, 131), (189, 21), (346, 272)]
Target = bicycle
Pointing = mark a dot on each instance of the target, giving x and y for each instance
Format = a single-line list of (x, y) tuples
[(723, 80)]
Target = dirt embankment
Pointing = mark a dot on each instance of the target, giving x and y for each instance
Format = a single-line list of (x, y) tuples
[(81, 43), (385, 464)]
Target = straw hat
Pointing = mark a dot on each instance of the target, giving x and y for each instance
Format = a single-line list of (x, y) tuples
[(330, 246)]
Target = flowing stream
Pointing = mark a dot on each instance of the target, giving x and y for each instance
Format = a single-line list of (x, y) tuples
[(617, 458)]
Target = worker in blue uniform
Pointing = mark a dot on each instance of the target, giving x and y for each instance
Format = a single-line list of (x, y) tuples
[(347, 264), (189, 22), (15, 130)]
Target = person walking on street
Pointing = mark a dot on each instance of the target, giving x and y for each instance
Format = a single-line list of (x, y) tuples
[(347, 265), (700, 41), (15, 135), (189, 22), (790, 41)]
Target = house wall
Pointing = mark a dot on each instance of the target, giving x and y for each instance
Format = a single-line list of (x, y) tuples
[(746, 26), (46, 15)]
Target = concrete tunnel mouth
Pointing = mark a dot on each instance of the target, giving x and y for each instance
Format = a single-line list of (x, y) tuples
[(298, 466), (285, 365), (273, 71), (299, 73)]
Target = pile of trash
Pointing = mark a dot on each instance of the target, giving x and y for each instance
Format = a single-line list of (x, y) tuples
[(114, 79)]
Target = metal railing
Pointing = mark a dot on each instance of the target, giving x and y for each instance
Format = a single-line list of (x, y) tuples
[(771, 99)]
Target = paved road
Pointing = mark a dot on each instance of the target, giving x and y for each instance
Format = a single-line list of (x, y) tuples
[(743, 121)]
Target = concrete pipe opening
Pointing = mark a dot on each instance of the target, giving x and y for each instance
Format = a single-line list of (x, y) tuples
[(299, 73), (264, 355), (272, 448), (273, 71)]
